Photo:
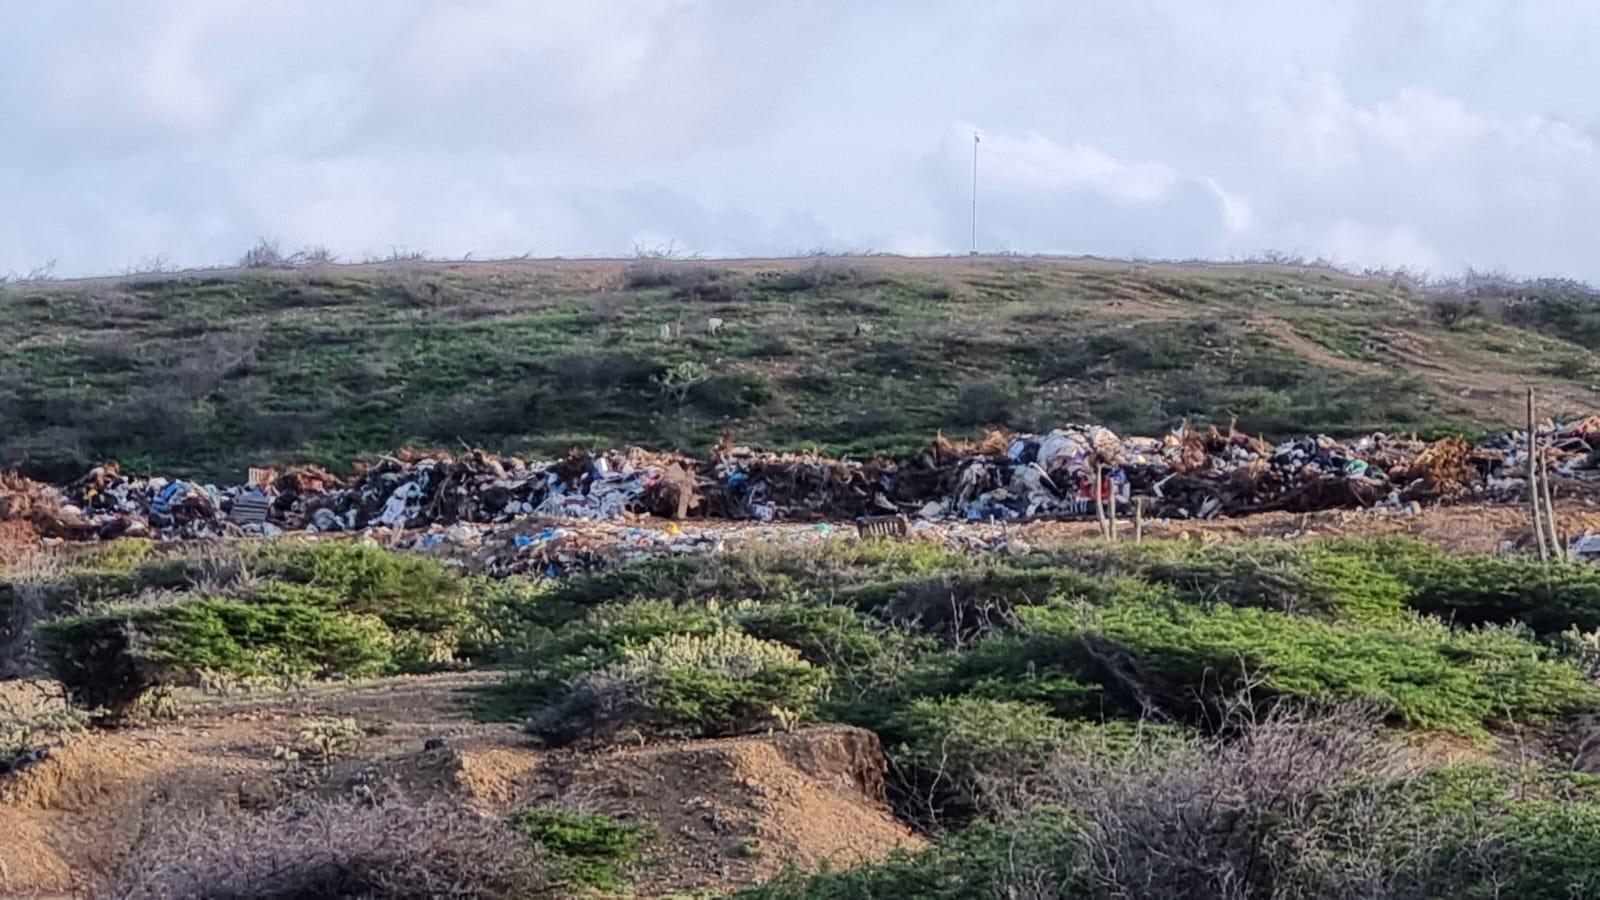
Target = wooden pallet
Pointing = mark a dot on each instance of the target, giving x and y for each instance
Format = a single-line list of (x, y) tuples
[(884, 527)]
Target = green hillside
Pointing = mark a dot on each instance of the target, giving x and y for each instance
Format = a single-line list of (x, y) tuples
[(205, 373)]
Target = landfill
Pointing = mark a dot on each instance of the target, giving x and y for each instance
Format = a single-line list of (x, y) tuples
[(1078, 471)]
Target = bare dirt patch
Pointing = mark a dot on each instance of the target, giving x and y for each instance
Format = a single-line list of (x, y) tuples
[(730, 812)]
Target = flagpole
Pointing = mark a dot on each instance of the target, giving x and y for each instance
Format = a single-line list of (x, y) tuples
[(974, 193)]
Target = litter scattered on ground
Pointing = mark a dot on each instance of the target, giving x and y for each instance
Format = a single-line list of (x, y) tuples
[(1071, 472)]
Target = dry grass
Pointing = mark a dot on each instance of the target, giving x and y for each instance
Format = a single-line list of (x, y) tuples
[(342, 848)]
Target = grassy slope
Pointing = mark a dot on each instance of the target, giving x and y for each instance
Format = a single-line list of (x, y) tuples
[(205, 373)]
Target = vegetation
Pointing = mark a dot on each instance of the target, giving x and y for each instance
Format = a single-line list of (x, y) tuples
[(1282, 805), (1085, 719), (203, 374), (395, 849), (725, 682), (275, 612), (587, 851)]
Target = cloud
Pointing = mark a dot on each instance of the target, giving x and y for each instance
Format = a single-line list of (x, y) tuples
[(1317, 127), (1361, 245), (1430, 138), (1236, 212), (1033, 162)]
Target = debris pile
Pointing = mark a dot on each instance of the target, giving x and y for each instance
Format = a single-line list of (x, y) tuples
[(1074, 471)]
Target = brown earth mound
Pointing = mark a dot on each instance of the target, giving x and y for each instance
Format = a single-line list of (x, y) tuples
[(730, 812)]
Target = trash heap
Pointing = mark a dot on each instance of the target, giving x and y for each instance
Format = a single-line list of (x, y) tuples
[(1074, 471)]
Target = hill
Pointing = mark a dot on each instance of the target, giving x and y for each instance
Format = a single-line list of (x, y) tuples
[(203, 373)]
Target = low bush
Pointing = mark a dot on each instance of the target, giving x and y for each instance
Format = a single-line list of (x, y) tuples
[(762, 572), (587, 851), (33, 719), (407, 592), (601, 637), (962, 604), (110, 659), (1524, 831), (396, 849), (835, 637), (277, 610), (1177, 660), (1324, 580), (1548, 597), (944, 749), (984, 861), (1281, 802), (1012, 667), (690, 685)]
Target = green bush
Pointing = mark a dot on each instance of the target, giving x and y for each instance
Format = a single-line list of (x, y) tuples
[(1305, 578), (946, 748), (1547, 597), (590, 851), (1419, 670), (1012, 667), (984, 861), (508, 618), (1483, 831), (110, 659), (691, 685), (960, 604), (761, 572), (835, 637), (327, 609), (405, 591)]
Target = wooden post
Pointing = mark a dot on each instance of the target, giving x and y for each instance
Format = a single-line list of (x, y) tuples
[(1533, 484), (1138, 520), (1557, 548), (1099, 502), (1111, 514)]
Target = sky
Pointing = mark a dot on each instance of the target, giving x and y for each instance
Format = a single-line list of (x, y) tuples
[(1430, 136)]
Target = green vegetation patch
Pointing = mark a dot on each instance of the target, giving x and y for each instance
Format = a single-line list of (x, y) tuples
[(589, 851)]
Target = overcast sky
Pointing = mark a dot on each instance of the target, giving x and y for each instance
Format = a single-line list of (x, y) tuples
[(1430, 135)]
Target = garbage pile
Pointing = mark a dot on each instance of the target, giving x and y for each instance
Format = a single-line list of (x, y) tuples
[(1074, 471)]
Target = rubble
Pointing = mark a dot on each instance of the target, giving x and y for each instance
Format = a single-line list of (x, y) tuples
[(1073, 471)]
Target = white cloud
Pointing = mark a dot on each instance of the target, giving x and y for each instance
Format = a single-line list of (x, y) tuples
[(1432, 137), (1033, 162), (1363, 245), (1318, 128), (1237, 215)]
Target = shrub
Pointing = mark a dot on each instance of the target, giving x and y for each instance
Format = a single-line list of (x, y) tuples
[(717, 684), (396, 849), (946, 746), (1547, 597), (1008, 667), (601, 638), (405, 591), (1310, 579), (30, 727), (589, 851), (324, 739), (1419, 671), (835, 637), (1460, 831), (110, 659), (1224, 816), (960, 605), (988, 402), (984, 861), (731, 394)]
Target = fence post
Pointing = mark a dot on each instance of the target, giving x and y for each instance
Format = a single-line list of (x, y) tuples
[(1533, 484)]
